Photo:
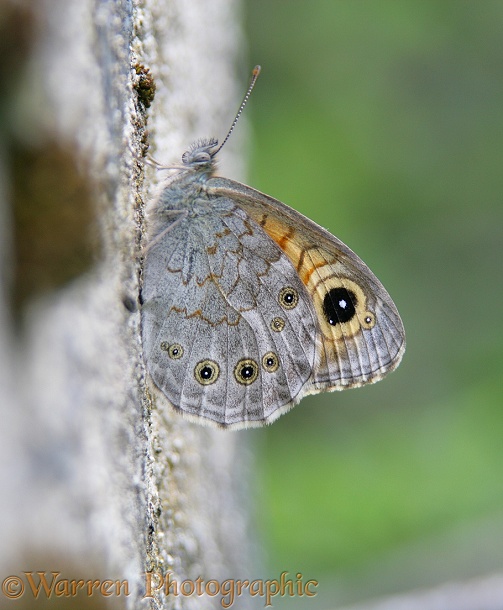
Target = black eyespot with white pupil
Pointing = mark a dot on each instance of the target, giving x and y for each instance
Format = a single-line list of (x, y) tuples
[(288, 297), (206, 372), (369, 320), (270, 362), (175, 351), (246, 371), (339, 306)]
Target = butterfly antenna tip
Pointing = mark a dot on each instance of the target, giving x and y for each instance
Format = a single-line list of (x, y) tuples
[(255, 75)]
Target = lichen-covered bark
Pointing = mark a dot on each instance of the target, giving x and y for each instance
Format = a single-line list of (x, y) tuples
[(98, 480)]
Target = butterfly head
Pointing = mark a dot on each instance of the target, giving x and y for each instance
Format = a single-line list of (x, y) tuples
[(200, 155)]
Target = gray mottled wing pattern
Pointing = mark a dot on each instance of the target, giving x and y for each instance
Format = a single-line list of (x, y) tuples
[(221, 337)]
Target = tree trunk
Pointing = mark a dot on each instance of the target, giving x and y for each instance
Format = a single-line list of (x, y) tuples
[(98, 481)]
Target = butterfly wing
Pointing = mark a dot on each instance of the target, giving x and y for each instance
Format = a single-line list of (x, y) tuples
[(360, 336), (227, 323)]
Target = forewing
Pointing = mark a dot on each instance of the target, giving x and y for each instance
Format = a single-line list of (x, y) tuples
[(360, 335)]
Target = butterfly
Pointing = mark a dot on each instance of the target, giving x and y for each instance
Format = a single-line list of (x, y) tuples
[(247, 305)]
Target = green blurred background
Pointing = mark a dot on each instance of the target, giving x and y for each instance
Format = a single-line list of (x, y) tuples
[(383, 121)]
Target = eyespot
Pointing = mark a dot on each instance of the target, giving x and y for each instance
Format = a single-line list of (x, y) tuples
[(206, 372), (277, 325), (246, 371), (339, 306), (288, 297), (175, 350), (270, 362), (369, 320), (342, 305)]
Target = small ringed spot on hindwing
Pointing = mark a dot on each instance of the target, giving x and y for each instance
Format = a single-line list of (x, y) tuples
[(206, 372), (270, 362), (339, 306), (175, 351), (288, 297), (246, 371), (277, 324)]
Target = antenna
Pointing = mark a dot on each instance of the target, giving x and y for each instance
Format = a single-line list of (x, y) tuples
[(255, 75)]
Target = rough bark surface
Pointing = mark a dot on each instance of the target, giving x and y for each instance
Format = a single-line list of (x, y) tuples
[(98, 479)]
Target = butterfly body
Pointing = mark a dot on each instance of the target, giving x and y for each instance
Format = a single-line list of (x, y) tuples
[(248, 305)]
